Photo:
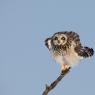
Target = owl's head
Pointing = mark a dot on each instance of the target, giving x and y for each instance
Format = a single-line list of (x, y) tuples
[(59, 38)]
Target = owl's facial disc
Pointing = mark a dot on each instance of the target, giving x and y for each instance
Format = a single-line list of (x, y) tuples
[(59, 39)]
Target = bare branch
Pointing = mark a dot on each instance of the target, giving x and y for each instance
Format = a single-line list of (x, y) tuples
[(55, 82)]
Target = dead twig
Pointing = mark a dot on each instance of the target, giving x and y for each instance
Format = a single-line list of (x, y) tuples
[(55, 82)]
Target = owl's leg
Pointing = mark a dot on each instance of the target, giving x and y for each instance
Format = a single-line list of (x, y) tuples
[(64, 67)]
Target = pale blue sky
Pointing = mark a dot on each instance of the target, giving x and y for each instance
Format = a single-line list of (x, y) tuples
[(25, 63)]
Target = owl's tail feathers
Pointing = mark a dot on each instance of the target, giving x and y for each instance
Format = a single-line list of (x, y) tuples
[(84, 51)]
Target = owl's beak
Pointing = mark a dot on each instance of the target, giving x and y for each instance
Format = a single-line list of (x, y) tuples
[(58, 42)]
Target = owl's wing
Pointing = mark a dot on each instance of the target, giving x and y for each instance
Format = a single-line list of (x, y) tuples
[(74, 37), (84, 51), (48, 43)]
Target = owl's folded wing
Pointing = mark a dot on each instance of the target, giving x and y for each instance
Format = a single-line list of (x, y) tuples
[(74, 37), (48, 43)]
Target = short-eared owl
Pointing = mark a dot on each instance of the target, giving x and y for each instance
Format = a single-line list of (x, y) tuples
[(66, 48)]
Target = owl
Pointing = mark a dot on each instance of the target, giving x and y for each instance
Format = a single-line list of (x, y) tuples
[(67, 49)]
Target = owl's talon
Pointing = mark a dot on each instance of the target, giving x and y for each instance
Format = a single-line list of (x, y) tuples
[(64, 71), (65, 67)]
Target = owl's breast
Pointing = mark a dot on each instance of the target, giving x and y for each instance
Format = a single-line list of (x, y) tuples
[(71, 58)]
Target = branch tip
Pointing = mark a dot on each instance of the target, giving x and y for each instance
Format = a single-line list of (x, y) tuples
[(55, 82)]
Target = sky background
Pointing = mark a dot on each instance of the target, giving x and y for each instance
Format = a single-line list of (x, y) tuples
[(25, 63)]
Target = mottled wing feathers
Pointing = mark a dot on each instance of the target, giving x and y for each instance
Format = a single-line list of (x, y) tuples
[(48, 43), (73, 37), (84, 51)]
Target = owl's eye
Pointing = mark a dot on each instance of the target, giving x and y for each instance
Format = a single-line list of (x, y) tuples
[(56, 38), (63, 38)]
